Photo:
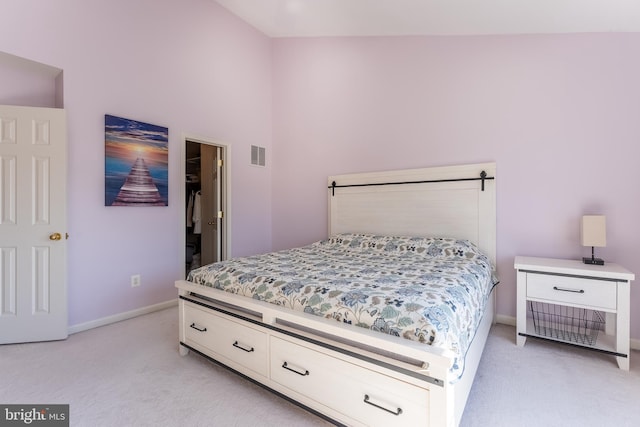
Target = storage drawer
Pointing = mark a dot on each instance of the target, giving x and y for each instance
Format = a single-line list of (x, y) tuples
[(226, 337), (363, 395), (599, 294)]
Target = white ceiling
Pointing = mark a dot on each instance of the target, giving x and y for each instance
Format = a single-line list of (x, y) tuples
[(305, 18)]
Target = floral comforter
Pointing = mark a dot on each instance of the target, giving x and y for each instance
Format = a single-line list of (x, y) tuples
[(429, 290)]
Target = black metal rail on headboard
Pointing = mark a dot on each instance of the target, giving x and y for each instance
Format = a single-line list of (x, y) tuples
[(483, 176)]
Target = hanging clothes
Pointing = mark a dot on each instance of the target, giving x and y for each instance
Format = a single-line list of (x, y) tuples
[(190, 209), (197, 219)]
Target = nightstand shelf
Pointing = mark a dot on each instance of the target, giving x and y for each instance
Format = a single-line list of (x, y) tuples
[(574, 303), (604, 343)]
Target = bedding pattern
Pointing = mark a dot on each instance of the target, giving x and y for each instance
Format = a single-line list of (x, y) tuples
[(430, 290)]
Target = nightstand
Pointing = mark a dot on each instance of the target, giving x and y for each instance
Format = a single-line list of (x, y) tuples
[(574, 303)]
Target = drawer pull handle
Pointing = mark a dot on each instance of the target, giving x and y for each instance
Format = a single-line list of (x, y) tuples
[(193, 325), (285, 366), (368, 402), (577, 291), (236, 345)]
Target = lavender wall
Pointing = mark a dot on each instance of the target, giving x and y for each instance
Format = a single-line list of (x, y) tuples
[(558, 114), (24, 82), (189, 66)]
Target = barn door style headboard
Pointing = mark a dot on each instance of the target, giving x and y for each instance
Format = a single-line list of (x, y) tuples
[(449, 201)]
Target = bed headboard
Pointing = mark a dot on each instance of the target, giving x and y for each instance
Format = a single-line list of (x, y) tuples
[(455, 202)]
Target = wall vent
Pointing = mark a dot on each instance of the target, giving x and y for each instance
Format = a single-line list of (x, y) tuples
[(257, 155)]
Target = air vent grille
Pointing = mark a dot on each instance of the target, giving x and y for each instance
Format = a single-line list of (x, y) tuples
[(257, 155)]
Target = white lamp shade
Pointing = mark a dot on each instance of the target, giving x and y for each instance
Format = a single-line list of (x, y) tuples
[(594, 230)]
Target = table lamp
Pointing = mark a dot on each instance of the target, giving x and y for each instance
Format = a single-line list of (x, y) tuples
[(594, 233)]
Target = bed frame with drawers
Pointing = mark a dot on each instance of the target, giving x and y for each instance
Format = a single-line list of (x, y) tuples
[(351, 375)]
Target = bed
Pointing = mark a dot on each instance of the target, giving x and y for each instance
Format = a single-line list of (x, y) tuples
[(381, 323)]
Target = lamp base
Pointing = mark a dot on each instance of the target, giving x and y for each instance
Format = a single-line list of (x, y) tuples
[(593, 261)]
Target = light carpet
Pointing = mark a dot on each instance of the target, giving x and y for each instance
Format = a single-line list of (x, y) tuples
[(130, 374)]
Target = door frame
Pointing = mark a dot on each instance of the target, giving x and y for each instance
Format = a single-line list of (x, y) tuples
[(225, 200)]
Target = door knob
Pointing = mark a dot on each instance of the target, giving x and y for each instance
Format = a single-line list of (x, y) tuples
[(55, 236)]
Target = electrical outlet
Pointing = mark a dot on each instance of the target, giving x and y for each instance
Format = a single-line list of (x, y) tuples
[(136, 280)]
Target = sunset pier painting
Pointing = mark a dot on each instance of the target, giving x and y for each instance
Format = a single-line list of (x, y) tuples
[(136, 163)]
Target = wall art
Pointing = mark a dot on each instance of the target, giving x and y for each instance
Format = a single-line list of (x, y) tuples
[(136, 163)]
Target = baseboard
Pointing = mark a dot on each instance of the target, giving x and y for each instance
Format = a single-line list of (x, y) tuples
[(505, 320), (500, 318), (121, 316), (511, 321)]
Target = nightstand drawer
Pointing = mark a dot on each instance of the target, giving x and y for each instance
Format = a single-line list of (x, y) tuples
[(600, 294)]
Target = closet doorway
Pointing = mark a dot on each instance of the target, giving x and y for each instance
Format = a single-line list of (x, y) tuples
[(206, 201)]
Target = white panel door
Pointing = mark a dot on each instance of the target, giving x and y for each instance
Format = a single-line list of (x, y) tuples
[(33, 202), (210, 207)]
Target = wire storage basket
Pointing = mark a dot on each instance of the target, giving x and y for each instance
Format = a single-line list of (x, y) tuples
[(572, 324)]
